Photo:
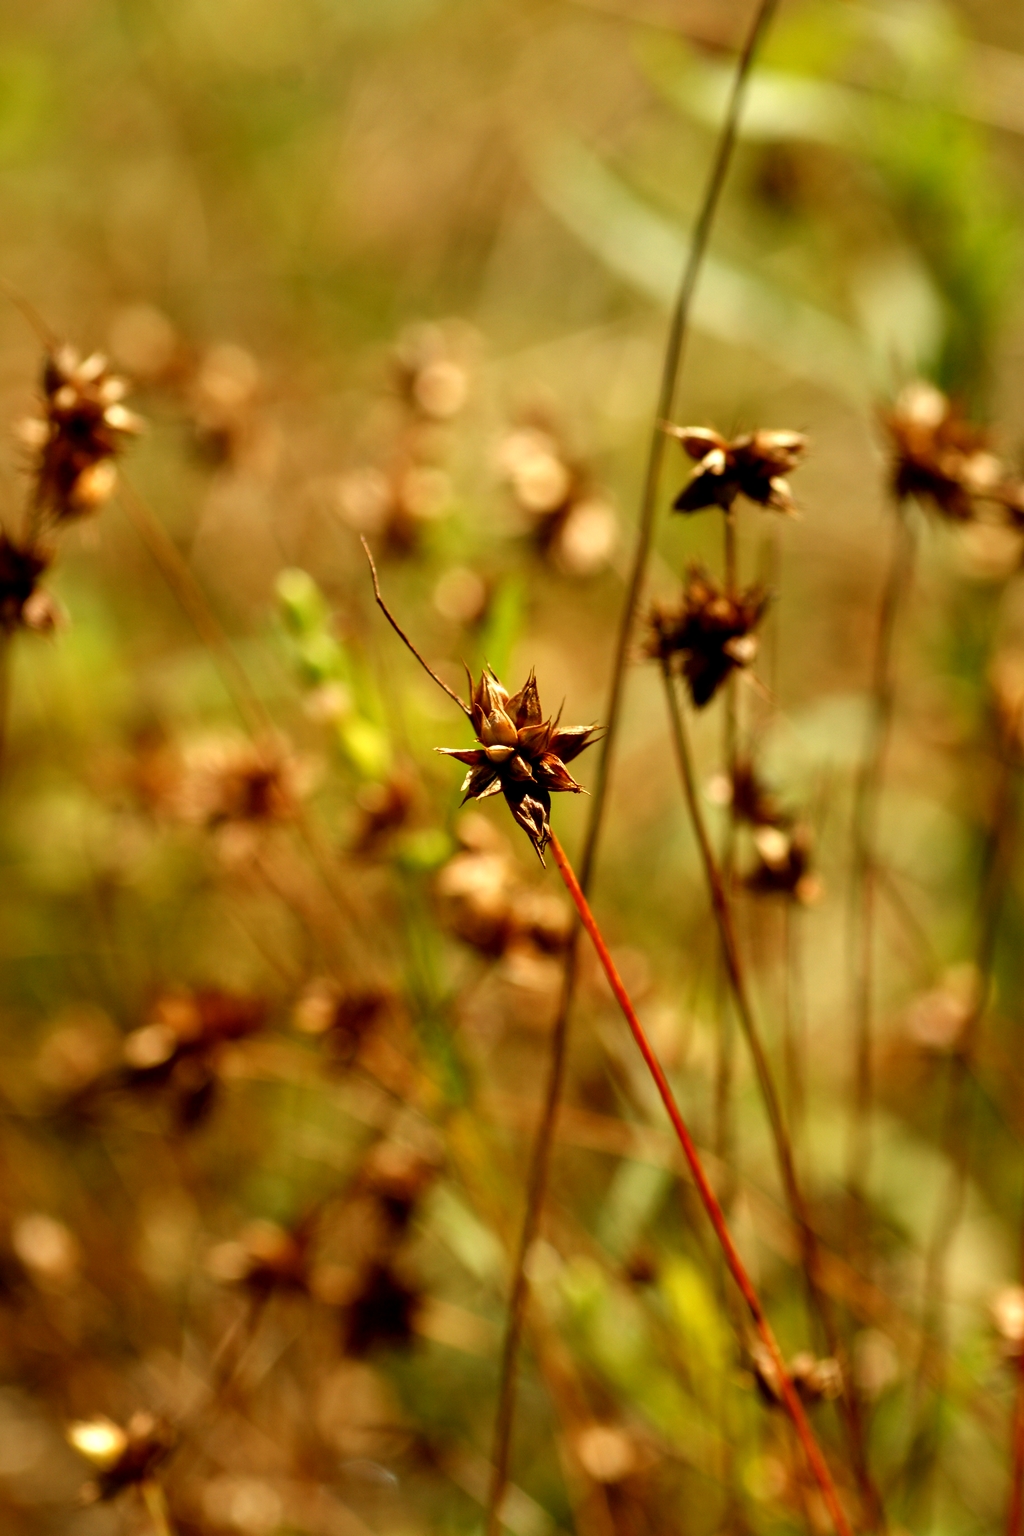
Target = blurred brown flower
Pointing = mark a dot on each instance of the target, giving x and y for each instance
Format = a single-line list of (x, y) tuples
[(23, 603), (710, 630), (179, 1048), (754, 465), (816, 1380), (571, 521), (940, 457), (382, 1311), (121, 1457), (82, 429), (521, 754), (783, 866)]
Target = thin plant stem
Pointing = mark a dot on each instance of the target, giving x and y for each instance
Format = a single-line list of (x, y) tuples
[(794, 1033), (1015, 1502), (156, 1506), (400, 632), (958, 1121), (540, 1155), (795, 1201), (863, 882), (5, 689), (725, 1040), (180, 578), (815, 1459), (177, 572)]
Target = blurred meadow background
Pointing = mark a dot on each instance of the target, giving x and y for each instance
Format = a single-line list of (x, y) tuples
[(275, 1010)]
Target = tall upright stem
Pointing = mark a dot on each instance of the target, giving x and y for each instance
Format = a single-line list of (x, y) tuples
[(1015, 1502), (958, 1121), (540, 1157), (5, 688), (815, 1459), (863, 882), (780, 1136)]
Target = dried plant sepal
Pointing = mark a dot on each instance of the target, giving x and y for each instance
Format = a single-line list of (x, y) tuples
[(520, 753), (753, 465)]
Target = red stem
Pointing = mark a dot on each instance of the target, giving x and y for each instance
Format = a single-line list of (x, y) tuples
[(791, 1401)]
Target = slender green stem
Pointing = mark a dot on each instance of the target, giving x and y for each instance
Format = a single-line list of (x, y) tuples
[(540, 1156)]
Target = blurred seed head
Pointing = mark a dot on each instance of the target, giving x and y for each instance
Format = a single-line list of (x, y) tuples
[(83, 427), (938, 456), (815, 1380), (876, 1364), (223, 397), (144, 341), (607, 1453), (121, 1457), (23, 602), (709, 632), (342, 1018), (47, 1248), (1007, 1311), (935, 1020), (573, 525), (432, 371), (233, 781), (754, 465)]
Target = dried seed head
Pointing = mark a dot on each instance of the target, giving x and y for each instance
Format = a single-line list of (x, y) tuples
[(265, 1257), (521, 755), (712, 633), (235, 781), (82, 429), (180, 1047), (572, 523), (1007, 1309), (940, 457), (750, 799), (121, 1457), (754, 465), (783, 865), (487, 903), (383, 1311), (23, 603), (432, 372), (815, 1380)]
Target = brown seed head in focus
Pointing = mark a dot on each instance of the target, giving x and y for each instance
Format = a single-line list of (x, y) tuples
[(712, 632), (521, 754), (83, 427), (940, 457), (754, 465)]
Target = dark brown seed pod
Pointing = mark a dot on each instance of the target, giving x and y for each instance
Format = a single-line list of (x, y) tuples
[(938, 456), (82, 428), (754, 465), (124, 1457), (711, 632), (23, 603), (521, 755)]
